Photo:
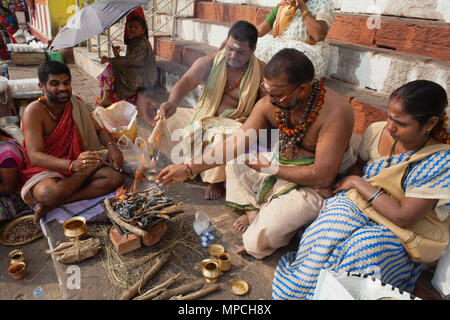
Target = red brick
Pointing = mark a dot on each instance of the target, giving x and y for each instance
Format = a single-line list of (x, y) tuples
[(154, 234), (426, 38), (365, 115), (124, 243), (230, 13), (167, 50), (352, 29)]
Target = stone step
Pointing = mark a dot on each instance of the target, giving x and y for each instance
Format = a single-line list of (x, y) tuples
[(377, 69), (382, 70), (169, 73), (431, 9), (420, 37)]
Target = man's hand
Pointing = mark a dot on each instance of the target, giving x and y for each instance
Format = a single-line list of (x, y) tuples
[(115, 156), (172, 174), (257, 162), (84, 161), (166, 110)]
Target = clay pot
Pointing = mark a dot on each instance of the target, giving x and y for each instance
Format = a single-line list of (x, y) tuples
[(17, 270), (154, 234)]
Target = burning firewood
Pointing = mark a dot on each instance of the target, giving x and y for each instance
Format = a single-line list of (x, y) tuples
[(114, 217), (138, 210)]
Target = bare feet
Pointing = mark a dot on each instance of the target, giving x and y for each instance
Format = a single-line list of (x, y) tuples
[(241, 223), (214, 191), (245, 220), (41, 211), (241, 251)]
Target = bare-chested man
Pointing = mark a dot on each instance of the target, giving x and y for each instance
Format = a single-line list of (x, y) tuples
[(59, 139), (315, 125), (231, 79)]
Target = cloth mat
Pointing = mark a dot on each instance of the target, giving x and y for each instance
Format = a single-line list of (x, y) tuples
[(90, 209)]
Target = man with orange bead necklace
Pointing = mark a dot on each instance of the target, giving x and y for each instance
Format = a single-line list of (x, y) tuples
[(314, 128)]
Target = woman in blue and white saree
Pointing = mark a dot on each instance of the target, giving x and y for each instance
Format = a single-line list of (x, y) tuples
[(343, 238)]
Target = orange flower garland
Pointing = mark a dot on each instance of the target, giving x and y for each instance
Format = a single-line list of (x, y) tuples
[(308, 118)]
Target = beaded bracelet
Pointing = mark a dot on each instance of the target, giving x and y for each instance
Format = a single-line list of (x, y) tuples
[(376, 195)]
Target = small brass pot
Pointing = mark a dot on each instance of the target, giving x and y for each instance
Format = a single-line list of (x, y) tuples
[(16, 256), (225, 262), (75, 228), (211, 270), (17, 270)]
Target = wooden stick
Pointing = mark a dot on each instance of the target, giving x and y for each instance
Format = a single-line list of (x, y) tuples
[(175, 208), (113, 216), (197, 294), (130, 293), (167, 294), (150, 294)]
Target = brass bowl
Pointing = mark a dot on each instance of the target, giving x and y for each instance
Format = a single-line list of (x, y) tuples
[(239, 287), (16, 256), (75, 228)]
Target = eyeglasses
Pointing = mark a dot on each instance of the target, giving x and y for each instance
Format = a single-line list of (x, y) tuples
[(275, 101)]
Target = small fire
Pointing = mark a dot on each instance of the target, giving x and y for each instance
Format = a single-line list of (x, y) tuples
[(139, 172), (120, 193)]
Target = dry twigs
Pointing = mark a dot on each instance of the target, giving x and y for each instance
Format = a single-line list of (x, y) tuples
[(167, 294), (150, 294), (76, 251), (130, 293), (197, 294)]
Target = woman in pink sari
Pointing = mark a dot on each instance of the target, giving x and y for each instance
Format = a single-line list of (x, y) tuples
[(11, 161)]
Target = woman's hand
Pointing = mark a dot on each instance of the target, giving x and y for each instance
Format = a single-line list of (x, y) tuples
[(346, 183), (172, 174), (84, 161)]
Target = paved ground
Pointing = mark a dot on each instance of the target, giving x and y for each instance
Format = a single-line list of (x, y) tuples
[(99, 281)]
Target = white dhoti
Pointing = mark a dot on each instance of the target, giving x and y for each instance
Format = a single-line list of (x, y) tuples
[(283, 206)]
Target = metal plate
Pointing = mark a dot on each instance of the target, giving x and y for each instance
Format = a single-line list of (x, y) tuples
[(12, 224), (239, 287)]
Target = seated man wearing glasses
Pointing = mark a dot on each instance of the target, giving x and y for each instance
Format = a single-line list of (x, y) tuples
[(231, 79), (314, 128)]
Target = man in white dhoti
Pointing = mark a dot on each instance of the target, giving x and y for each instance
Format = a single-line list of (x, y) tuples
[(314, 127)]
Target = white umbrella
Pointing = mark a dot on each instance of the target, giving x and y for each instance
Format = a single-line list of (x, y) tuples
[(91, 20)]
